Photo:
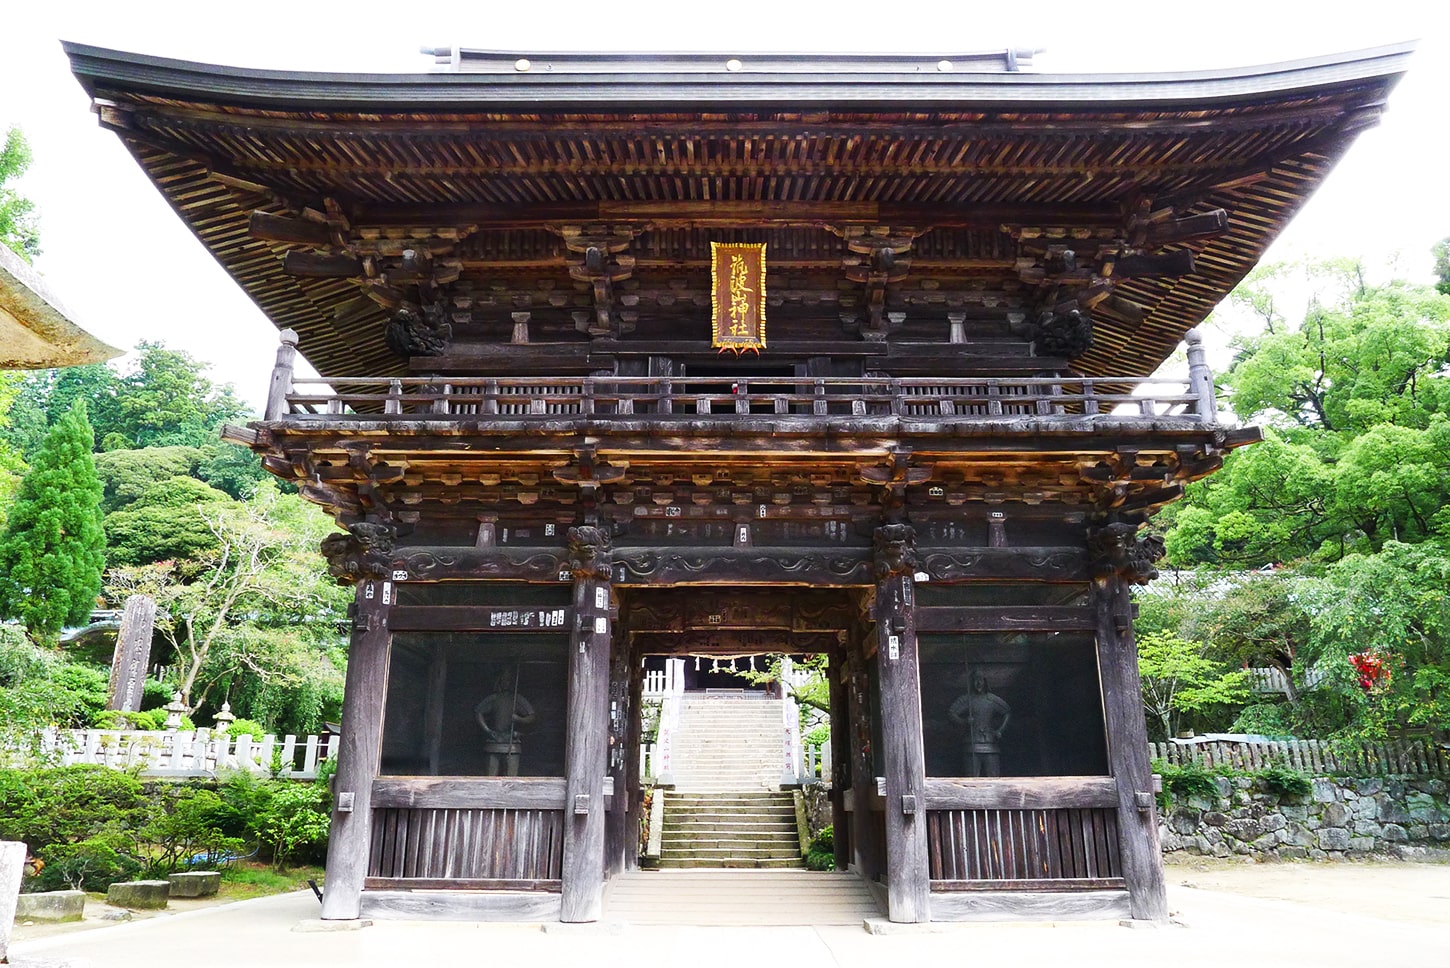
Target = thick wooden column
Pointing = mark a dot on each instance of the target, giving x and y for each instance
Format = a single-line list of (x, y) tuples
[(1123, 559), (586, 748), (865, 850), (364, 692), (632, 792), (840, 777), (618, 842), (907, 882)]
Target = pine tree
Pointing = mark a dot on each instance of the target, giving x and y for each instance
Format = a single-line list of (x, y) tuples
[(53, 549)]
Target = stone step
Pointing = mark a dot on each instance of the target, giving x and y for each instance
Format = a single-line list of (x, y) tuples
[(692, 846), (776, 897), (727, 823), (692, 863), (743, 798), (723, 846), (761, 810), (727, 832), (725, 849)]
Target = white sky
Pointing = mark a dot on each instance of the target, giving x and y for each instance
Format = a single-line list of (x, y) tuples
[(128, 270)]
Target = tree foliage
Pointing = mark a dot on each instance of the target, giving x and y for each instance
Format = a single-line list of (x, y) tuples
[(18, 230), (128, 474), (1178, 679), (256, 605), (52, 552), (1348, 498), (172, 519), (163, 399)]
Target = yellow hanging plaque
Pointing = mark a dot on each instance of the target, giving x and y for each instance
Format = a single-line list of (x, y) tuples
[(737, 296)]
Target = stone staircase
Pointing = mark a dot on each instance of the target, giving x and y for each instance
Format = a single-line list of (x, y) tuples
[(729, 830), (726, 744), (727, 808), (738, 897)]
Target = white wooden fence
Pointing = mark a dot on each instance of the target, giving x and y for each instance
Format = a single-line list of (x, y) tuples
[(186, 752), (1271, 679), (1314, 757)]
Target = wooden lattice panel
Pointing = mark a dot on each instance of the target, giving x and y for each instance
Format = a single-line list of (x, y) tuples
[(1023, 848)]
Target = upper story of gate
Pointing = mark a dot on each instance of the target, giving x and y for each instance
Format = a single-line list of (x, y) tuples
[(505, 271), (553, 214)]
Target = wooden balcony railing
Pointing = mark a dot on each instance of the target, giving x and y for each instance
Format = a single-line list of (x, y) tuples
[(923, 398)]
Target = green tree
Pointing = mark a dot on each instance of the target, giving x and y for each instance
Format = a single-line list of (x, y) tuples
[(127, 474), (17, 213), (1179, 680), (163, 399), (172, 519), (1350, 493), (257, 605), (1394, 605), (52, 552), (166, 399)]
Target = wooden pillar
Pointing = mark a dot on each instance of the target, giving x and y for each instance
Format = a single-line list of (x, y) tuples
[(633, 791), (618, 842), (1139, 849), (586, 747), (364, 691), (864, 846), (907, 885), (841, 758), (281, 382)]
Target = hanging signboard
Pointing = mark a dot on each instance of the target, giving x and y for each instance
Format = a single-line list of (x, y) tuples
[(737, 296)]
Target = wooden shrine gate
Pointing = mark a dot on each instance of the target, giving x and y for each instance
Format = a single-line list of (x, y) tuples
[(419, 839), (935, 469)]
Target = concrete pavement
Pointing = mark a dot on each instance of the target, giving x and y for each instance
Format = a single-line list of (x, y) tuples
[(1214, 928)]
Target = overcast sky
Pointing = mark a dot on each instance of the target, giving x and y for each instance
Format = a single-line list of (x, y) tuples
[(127, 270)]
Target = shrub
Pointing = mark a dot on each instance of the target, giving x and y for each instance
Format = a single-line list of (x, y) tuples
[(1188, 780), (821, 856), (1263, 718), (93, 864), (150, 719), (66, 805), (244, 800), (296, 818), (185, 826), (246, 727), (1283, 781)]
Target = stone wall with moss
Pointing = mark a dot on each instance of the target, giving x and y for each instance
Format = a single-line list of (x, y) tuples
[(1338, 818)]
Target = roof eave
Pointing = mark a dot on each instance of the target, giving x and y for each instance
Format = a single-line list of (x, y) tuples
[(99, 68)]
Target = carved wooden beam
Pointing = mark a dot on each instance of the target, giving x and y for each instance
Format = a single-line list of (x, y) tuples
[(319, 266), (603, 264), (880, 257), (278, 228)]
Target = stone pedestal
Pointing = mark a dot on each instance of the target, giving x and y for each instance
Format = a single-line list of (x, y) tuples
[(51, 906), (141, 895), (195, 883)]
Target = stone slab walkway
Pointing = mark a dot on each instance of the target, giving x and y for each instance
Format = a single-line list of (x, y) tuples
[(1307, 925)]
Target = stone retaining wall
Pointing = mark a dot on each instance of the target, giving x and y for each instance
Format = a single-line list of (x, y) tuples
[(1341, 818)]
